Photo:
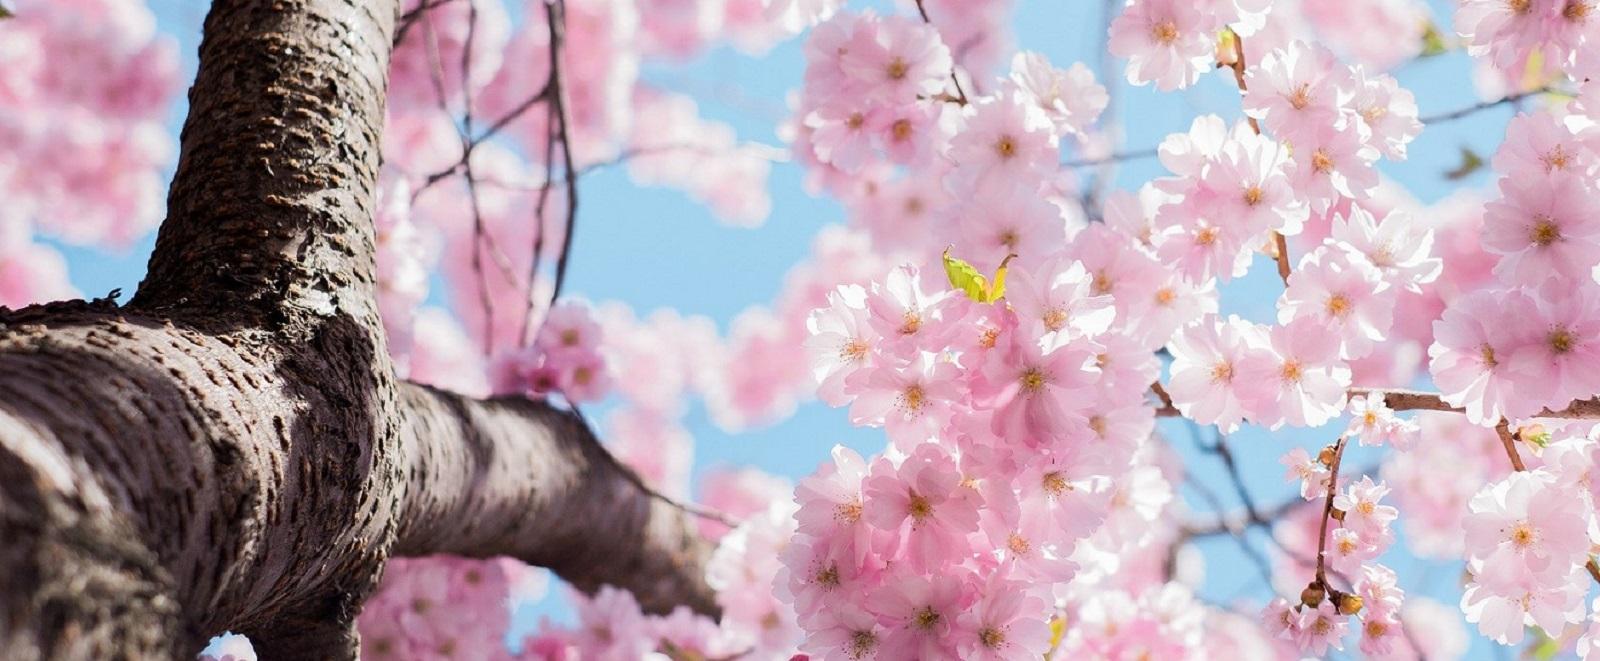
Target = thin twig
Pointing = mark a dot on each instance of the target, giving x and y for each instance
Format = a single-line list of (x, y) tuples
[(1161, 394), (1327, 514), (556, 13), (1415, 400), (1482, 106), (961, 95), (1280, 245), (1509, 440), (409, 18), (1115, 157)]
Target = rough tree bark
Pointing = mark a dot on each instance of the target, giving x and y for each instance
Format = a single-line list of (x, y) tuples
[(231, 450)]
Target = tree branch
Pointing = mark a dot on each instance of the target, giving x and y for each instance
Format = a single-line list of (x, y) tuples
[(270, 211), (232, 450), (1416, 400), (509, 476)]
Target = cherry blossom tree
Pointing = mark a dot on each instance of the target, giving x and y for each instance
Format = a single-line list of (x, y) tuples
[(283, 442)]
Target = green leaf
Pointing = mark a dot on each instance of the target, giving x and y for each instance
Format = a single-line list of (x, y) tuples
[(5, 13), (1544, 647), (1470, 162), (1433, 42), (965, 278), (1000, 278)]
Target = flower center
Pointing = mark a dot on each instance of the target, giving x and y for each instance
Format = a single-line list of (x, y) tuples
[(1375, 628), (1338, 306), (1005, 147), (1291, 371), (1055, 319), (992, 638), (1544, 232), (828, 576), (1097, 424), (1222, 372), (1321, 162), (1252, 196), (912, 399), (1575, 11), (1018, 544), (926, 618), (1523, 535), (1009, 238), (569, 337), (1366, 507), (990, 337), (1165, 296), (919, 508), (911, 323), (853, 351), (1486, 354), (862, 643), (1556, 159), (1321, 626), (1206, 236), (1560, 340), (901, 129), (1519, 7), (855, 120), (1055, 483), (897, 68), (848, 512), (1165, 32), (1032, 381), (1370, 419), (1300, 97), (1102, 284)]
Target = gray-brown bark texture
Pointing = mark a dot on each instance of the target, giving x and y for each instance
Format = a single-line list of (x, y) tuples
[(231, 450)]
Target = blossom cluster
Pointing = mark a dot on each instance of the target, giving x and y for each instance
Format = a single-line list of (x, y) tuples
[(1524, 342), (83, 95), (563, 358), (1528, 537)]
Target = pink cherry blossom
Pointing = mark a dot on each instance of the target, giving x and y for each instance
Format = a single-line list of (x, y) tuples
[(912, 402), (1004, 623), (1515, 528), (1397, 244), (1008, 140), (896, 60), (1206, 381), (1305, 469), (1298, 379), (1544, 227), (924, 500), (1166, 42), (1471, 352), (1296, 92), (1070, 98), (1037, 393), (1343, 292), (1057, 299), (1542, 142), (840, 343), (920, 614)]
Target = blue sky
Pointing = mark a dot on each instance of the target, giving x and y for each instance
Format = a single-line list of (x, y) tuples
[(698, 266)]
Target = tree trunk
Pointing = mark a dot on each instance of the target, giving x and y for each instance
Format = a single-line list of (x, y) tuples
[(231, 450)]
